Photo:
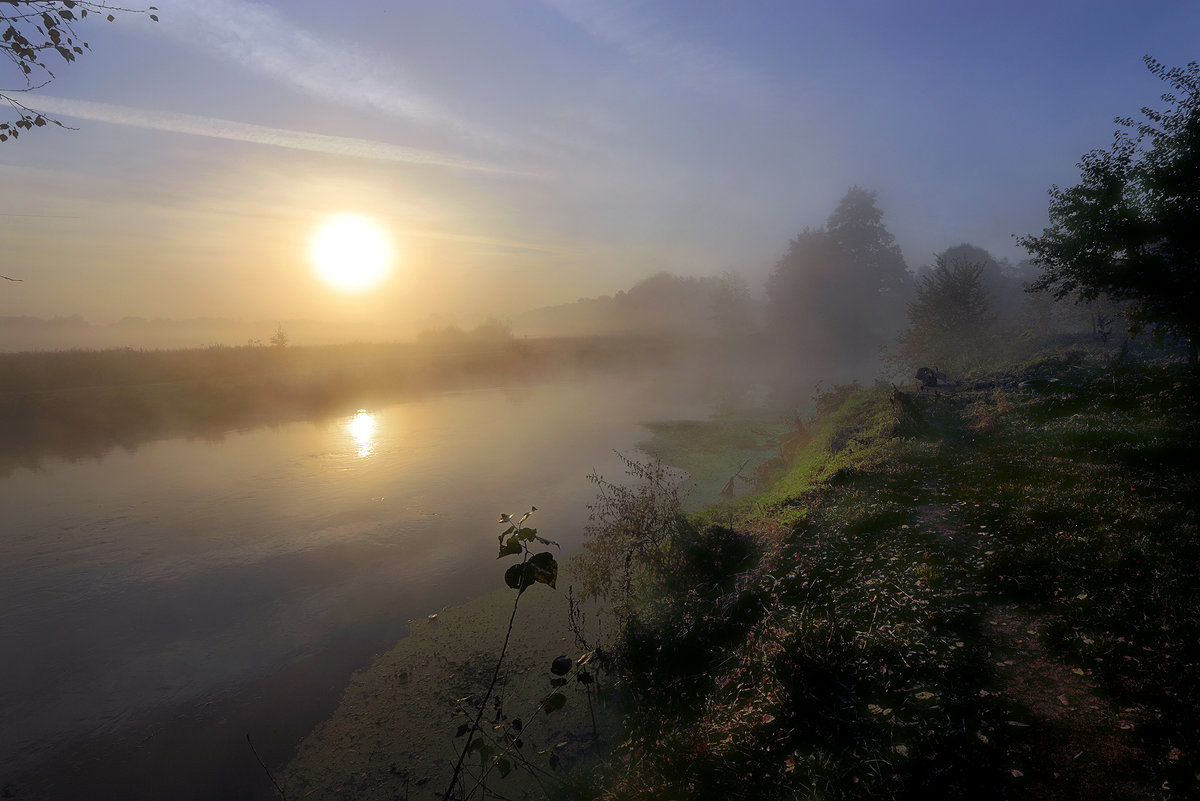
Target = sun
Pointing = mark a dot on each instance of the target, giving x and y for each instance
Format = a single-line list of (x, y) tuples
[(350, 252)]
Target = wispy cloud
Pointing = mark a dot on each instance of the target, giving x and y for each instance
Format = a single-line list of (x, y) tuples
[(700, 68), (257, 134), (267, 41)]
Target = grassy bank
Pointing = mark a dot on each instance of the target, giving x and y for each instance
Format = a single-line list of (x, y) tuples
[(990, 590), (84, 403)]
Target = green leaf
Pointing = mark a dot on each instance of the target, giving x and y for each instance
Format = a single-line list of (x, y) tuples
[(513, 546), (463, 729), (561, 665), (504, 766), (527, 534), (554, 702)]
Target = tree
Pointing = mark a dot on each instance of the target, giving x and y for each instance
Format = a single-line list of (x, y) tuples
[(731, 308), (950, 318), (1003, 289), (34, 33), (1130, 230), (839, 293)]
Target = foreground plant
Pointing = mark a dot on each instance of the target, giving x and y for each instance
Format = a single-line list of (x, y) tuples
[(499, 740)]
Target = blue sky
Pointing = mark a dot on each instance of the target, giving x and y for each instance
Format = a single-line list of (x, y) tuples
[(531, 152)]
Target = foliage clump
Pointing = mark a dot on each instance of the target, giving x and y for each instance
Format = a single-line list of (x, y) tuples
[(1128, 229), (950, 318)]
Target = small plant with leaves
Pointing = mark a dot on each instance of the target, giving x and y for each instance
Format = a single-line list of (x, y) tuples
[(498, 741)]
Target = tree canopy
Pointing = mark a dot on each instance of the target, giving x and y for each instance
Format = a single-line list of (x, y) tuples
[(951, 316), (1130, 229), (34, 34), (839, 293)]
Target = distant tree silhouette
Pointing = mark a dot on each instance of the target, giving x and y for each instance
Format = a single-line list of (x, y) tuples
[(839, 293), (1130, 229), (732, 309), (997, 277), (951, 316), (33, 33)]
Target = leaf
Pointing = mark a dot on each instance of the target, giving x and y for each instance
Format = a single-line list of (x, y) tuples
[(518, 577), (554, 702), (545, 568), (561, 665), (510, 548), (527, 534), (504, 766), (463, 729)]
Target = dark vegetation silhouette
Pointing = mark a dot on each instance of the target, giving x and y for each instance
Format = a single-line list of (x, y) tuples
[(951, 317), (34, 34), (714, 307), (1130, 229)]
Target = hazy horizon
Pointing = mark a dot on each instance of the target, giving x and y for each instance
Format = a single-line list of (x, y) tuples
[(527, 155)]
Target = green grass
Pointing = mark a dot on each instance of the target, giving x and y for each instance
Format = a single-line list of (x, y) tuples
[(851, 658)]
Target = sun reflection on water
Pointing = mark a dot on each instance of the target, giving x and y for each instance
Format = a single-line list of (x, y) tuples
[(362, 430)]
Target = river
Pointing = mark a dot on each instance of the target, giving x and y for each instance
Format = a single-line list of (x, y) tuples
[(160, 604)]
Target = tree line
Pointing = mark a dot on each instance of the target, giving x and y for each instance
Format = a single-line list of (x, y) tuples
[(1123, 244)]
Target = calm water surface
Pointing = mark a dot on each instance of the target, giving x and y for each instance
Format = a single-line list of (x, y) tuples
[(159, 605)]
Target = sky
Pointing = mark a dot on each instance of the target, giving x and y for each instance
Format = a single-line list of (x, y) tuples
[(522, 153)]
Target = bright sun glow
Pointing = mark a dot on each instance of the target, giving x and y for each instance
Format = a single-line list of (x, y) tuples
[(350, 252)]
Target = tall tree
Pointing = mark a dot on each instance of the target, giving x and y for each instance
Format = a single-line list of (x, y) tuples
[(951, 316), (1005, 290), (1130, 229), (33, 35), (839, 293)]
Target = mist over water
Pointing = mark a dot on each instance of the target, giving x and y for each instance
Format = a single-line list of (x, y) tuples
[(193, 591)]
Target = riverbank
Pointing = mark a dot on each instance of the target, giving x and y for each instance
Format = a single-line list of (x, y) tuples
[(394, 731), (984, 590), (83, 404)]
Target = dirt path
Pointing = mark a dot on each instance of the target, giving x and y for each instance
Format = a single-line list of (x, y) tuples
[(1064, 738)]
